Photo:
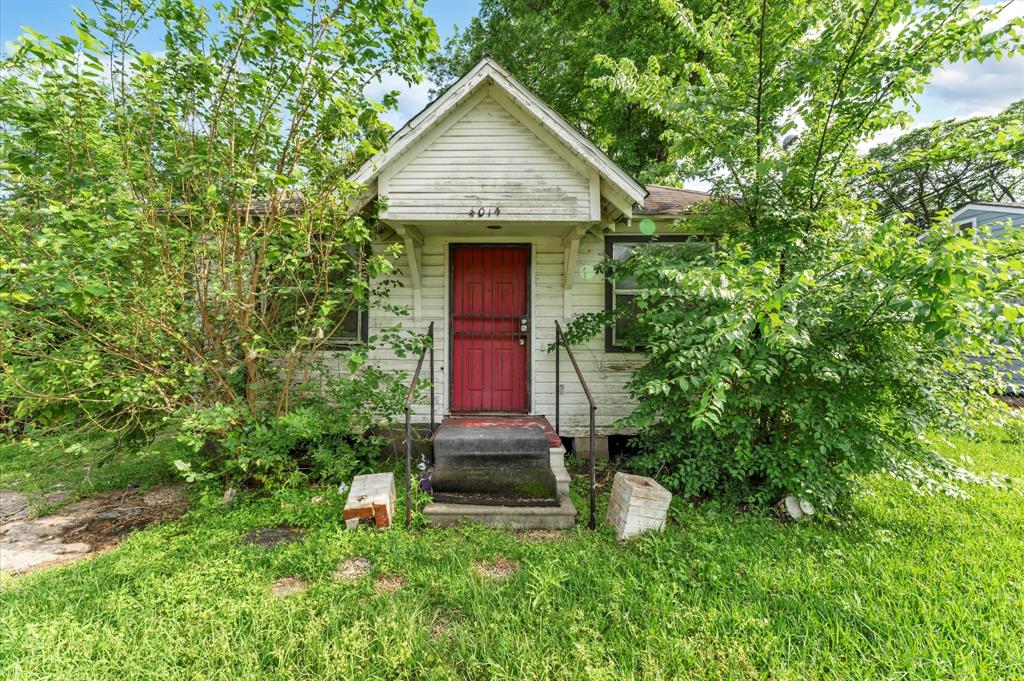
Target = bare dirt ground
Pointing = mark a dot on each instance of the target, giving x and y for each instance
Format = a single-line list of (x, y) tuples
[(543, 535), (353, 569), (499, 568), (390, 583), (83, 528), (289, 586), (272, 537)]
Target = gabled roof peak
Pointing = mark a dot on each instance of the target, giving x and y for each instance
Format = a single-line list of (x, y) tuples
[(488, 72)]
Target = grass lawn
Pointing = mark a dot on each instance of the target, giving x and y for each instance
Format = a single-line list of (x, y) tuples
[(81, 467), (911, 587)]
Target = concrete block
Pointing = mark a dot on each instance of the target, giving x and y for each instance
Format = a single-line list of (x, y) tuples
[(557, 456), (637, 505), (372, 497), (581, 448), (562, 477)]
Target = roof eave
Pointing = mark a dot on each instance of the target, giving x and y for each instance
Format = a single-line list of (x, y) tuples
[(986, 207)]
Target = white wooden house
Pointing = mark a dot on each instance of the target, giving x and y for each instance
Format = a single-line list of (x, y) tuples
[(501, 206)]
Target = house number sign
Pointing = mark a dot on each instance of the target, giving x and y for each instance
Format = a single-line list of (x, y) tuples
[(483, 212)]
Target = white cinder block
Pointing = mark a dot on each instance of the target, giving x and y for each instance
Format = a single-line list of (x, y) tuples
[(637, 505), (373, 498)]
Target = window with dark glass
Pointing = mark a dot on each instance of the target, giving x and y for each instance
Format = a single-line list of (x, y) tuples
[(347, 325), (621, 293)]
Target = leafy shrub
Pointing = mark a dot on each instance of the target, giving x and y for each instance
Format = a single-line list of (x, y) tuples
[(760, 389), (820, 340), (325, 440)]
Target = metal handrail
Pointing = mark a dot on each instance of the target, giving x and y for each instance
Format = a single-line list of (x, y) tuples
[(593, 412), (408, 419)]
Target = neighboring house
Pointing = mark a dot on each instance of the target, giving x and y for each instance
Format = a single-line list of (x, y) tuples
[(503, 209), (998, 218)]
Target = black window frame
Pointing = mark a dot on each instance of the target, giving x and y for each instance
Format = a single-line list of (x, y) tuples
[(337, 343), (609, 286)]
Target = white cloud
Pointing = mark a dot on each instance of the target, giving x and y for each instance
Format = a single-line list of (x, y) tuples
[(885, 136), (411, 98), (978, 88), (966, 90), (1009, 11)]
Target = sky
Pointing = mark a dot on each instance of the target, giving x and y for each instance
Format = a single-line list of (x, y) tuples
[(956, 91)]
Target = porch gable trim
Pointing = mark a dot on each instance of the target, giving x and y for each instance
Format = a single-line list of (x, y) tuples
[(500, 80)]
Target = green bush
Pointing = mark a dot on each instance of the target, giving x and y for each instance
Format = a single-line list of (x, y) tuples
[(756, 389), (1013, 431), (176, 228), (320, 439)]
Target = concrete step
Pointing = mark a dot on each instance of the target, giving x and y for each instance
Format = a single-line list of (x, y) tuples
[(500, 471), (493, 465), (560, 517)]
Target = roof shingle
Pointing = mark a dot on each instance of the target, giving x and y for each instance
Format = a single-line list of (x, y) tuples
[(670, 200)]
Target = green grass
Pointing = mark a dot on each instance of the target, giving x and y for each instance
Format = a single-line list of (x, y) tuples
[(82, 466), (911, 587)]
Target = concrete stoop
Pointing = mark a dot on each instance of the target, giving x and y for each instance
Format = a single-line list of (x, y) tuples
[(559, 517)]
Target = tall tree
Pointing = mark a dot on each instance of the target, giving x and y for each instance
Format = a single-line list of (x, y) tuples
[(816, 341), (551, 46), (942, 166), (176, 229)]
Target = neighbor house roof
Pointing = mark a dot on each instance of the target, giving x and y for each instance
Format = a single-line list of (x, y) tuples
[(998, 204), (1015, 207), (487, 71), (670, 201)]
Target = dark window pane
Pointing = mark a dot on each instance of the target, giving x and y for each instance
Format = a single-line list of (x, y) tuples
[(624, 325), (349, 327), (346, 322), (621, 251), (624, 291)]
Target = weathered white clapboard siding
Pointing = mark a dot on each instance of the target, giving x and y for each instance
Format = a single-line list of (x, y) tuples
[(606, 373), (488, 158)]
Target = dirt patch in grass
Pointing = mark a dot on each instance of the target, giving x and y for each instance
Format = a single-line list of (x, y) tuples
[(440, 627), (542, 535), (288, 586), (390, 583), (84, 527), (272, 537), (353, 569), (499, 568), (121, 512)]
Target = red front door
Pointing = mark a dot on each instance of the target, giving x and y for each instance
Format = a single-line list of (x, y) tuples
[(489, 307)]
